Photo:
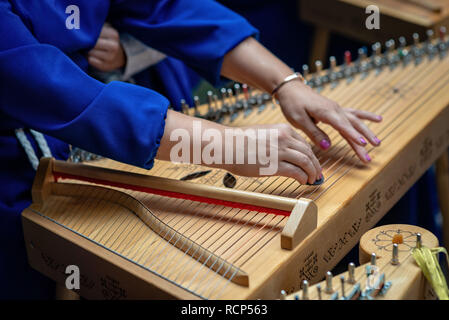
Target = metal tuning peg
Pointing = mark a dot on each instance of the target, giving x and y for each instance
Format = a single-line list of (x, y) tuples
[(319, 67), (196, 101), (237, 92), (430, 34), (317, 80), (402, 42), (209, 101), (342, 284), (318, 289), (305, 71), (283, 295), (224, 104), (351, 273), (415, 39), (395, 255), (442, 45), (418, 240), (305, 290), (184, 107), (362, 54), (329, 288), (373, 259)]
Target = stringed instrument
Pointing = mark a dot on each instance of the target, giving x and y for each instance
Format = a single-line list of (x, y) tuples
[(79, 221), (387, 269)]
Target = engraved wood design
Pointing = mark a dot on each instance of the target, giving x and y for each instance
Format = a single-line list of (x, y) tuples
[(410, 92)]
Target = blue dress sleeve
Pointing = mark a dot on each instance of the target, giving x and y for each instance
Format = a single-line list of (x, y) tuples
[(198, 32), (43, 89)]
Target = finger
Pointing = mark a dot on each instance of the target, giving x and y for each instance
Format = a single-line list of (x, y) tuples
[(360, 151), (109, 32), (96, 63), (100, 54), (342, 124), (106, 45), (366, 115), (291, 171), (365, 131), (318, 136), (304, 147), (302, 161)]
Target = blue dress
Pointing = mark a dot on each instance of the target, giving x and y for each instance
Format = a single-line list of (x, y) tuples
[(44, 86)]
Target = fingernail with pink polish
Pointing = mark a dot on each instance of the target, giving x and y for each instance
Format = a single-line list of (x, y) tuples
[(367, 157), (379, 118), (376, 140), (362, 140), (325, 144)]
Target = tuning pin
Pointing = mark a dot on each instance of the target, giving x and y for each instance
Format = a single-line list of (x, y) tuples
[(418, 240), (395, 258), (245, 91), (305, 70), (373, 259), (230, 95), (223, 95), (215, 97), (318, 66), (318, 289), (402, 42), (415, 39), (390, 44), (209, 100), (184, 107), (237, 90), (342, 280), (283, 295), (351, 273), (442, 33), (329, 282), (348, 57), (305, 290), (196, 104), (362, 53), (430, 35), (332, 63), (377, 48)]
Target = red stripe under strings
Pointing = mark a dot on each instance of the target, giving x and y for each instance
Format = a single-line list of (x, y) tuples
[(171, 194)]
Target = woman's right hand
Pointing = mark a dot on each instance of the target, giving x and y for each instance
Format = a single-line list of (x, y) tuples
[(286, 152), (293, 156)]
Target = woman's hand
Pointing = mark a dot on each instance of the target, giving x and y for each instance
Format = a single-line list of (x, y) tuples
[(108, 53), (304, 109), (286, 153), (289, 153)]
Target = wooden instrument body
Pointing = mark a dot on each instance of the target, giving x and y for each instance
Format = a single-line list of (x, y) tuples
[(413, 99), (406, 280)]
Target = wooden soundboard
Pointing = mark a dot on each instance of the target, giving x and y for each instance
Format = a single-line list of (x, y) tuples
[(120, 257)]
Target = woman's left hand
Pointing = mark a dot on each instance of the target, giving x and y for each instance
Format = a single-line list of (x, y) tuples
[(108, 53)]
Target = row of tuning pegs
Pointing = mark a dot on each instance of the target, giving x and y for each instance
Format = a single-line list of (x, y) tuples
[(393, 53), (229, 102), (377, 287)]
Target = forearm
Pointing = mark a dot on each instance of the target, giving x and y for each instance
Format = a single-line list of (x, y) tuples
[(192, 131), (252, 63)]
